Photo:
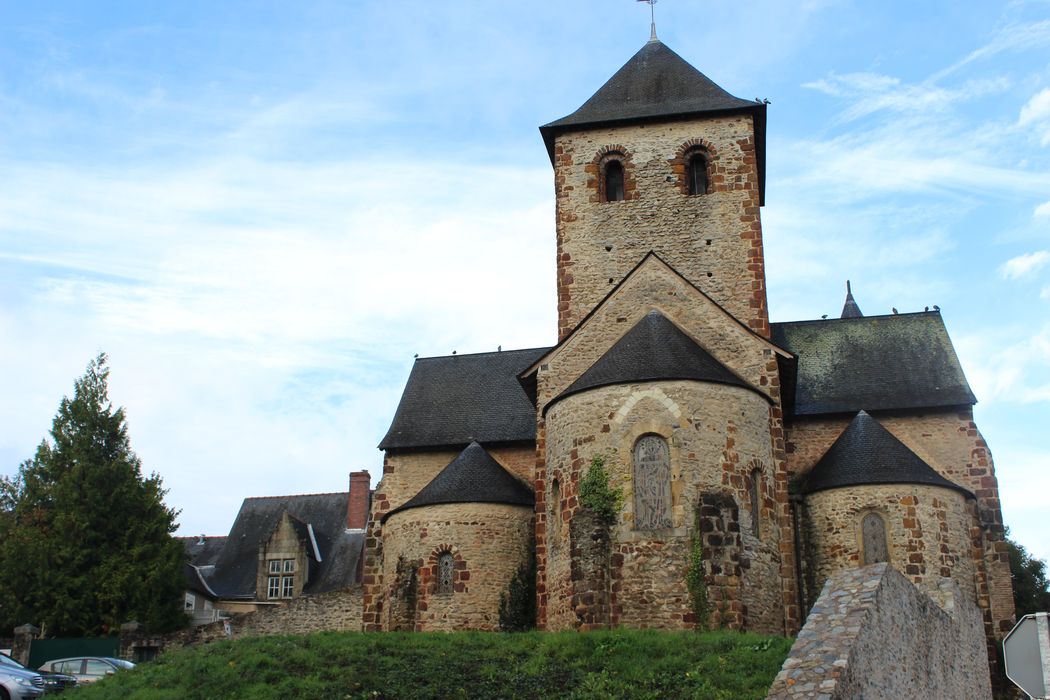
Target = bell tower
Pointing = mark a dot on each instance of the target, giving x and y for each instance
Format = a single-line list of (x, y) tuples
[(662, 159)]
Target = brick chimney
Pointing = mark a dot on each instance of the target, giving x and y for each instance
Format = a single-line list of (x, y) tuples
[(357, 503)]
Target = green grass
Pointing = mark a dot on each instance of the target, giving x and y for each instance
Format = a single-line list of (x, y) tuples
[(352, 666)]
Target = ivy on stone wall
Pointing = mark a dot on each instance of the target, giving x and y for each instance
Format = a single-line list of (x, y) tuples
[(596, 494), (694, 576), (517, 605)]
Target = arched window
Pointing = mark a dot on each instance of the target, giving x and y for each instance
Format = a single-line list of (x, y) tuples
[(555, 511), (652, 483), (873, 537), (696, 173), (445, 566), (613, 181), (756, 500)]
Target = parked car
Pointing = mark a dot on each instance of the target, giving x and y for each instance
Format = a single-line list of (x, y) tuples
[(53, 682), (87, 669), (17, 682)]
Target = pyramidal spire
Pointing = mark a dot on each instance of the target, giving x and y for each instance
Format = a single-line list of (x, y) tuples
[(850, 308)]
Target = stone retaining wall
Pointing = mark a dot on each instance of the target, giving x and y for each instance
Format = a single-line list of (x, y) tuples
[(335, 611), (872, 634)]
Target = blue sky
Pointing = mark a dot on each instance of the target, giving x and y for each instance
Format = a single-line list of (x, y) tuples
[(262, 211)]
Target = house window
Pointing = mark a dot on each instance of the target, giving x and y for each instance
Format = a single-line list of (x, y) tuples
[(445, 567), (756, 500), (281, 582), (613, 181), (873, 536), (652, 483), (189, 602), (696, 173)]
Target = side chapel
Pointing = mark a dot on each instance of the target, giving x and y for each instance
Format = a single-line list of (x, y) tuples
[(782, 451)]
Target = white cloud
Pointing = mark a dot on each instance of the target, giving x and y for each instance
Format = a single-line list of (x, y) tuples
[(1043, 210), (1024, 265), (1036, 115), (1014, 37), (1004, 370), (873, 92)]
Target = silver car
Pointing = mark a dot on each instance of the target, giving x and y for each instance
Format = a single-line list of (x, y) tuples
[(17, 682), (87, 669)]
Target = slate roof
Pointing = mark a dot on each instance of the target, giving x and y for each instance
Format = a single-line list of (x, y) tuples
[(472, 477), (657, 83), (203, 550), (201, 553), (867, 453), (454, 400), (654, 349), (873, 363), (237, 564)]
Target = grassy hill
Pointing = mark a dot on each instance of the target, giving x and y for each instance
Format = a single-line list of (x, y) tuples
[(352, 666)]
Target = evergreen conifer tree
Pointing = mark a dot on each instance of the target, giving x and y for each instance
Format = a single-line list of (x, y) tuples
[(85, 540)]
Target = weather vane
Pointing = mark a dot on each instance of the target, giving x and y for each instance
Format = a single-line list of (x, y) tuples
[(652, 18)]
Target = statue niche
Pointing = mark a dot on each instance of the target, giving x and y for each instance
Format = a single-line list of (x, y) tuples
[(652, 483)]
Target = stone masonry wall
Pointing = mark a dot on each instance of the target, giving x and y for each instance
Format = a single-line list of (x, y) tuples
[(335, 611), (937, 648), (404, 474), (717, 435), (927, 533), (714, 239), (950, 443), (488, 541)]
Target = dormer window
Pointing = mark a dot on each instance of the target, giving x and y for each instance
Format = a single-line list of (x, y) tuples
[(281, 581), (613, 177), (696, 173)]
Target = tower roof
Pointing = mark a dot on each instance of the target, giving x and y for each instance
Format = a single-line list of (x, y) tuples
[(655, 349), (472, 477), (850, 308), (867, 453), (657, 84)]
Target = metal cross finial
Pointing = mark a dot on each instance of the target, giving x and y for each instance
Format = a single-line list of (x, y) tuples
[(652, 19)]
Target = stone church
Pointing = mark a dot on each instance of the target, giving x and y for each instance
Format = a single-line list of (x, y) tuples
[(769, 455)]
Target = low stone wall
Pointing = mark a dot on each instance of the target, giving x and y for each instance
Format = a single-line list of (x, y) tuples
[(872, 634), (338, 611)]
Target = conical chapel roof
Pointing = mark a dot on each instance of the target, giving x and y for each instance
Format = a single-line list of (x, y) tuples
[(867, 453), (472, 477), (654, 350), (656, 83)]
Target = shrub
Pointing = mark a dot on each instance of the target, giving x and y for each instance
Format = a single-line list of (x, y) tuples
[(517, 606), (596, 494)]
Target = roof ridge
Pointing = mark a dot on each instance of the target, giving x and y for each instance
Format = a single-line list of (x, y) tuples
[(487, 352), (855, 318), (296, 495)]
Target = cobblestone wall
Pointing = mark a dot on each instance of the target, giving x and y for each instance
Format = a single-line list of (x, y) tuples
[(335, 611), (718, 436), (951, 444), (871, 634), (404, 474), (488, 542), (927, 533), (714, 239)]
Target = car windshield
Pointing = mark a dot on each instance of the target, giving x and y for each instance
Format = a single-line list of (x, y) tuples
[(122, 663), (6, 660)]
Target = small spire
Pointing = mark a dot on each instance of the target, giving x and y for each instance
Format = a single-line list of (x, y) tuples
[(652, 19), (850, 308)]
